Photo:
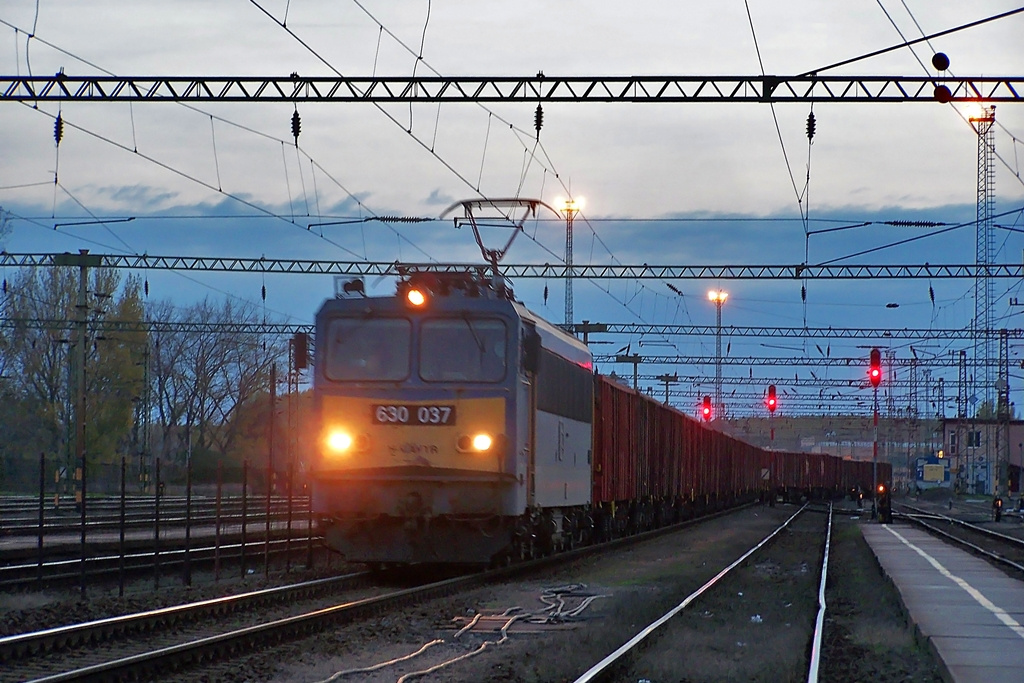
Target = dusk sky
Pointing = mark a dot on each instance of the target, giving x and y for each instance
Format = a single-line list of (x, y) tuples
[(661, 183)]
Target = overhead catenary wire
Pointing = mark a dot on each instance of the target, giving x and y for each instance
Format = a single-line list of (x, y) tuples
[(900, 46), (387, 114), (220, 119)]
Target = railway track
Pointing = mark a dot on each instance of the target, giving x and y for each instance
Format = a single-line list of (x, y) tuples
[(1002, 549), (102, 648), (105, 565), (654, 651), (124, 655)]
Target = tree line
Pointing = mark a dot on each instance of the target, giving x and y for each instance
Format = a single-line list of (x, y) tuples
[(188, 392)]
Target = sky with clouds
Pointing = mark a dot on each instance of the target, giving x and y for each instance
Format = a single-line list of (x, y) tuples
[(663, 183)]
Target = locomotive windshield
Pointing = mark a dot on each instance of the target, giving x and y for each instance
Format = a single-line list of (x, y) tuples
[(368, 349), (462, 350)]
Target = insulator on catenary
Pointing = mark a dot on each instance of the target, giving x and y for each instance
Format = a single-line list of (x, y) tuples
[(538, 120), (811, 126), (545, 295), (58, 129), (915, 224), (296, 126), (145, 287), (263, 292), (803, 293), (398, 219), (931, 294)]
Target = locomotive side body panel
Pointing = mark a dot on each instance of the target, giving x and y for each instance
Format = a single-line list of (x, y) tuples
[(564, 409)]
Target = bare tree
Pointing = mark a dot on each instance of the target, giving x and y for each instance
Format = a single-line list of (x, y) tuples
[(208, 382)]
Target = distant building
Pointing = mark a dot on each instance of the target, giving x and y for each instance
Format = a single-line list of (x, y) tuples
[(976, 449)]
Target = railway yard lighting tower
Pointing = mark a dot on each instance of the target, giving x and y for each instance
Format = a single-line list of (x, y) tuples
[(718, 297), (571, 208)]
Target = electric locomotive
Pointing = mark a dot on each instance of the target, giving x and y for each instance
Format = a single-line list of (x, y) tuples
[(455, 424)]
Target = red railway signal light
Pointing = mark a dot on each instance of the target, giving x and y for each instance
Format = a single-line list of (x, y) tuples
[(772, 401), (875, 370), (706, 409)]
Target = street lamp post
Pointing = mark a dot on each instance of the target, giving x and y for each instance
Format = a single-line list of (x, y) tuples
[(718, 297), (571, 208)]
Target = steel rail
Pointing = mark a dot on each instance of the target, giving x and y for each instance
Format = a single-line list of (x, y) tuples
[(55, 571), (819, 622), (64, 87), (602, 669), (987, 554), (523, 271), (97, 631)]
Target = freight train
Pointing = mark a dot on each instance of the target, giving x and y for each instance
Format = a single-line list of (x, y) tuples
[(459, 427)]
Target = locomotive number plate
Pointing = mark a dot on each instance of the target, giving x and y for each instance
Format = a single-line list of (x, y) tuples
[(401, 414)]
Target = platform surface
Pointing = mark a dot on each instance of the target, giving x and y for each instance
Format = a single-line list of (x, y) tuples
[(972, 613)]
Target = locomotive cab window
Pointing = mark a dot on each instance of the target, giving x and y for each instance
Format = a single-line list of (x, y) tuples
[(368, 349), (463, 350)]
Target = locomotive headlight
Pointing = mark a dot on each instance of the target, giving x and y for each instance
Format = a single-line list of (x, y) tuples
[(339, 441), (477, 443), (482, 442)]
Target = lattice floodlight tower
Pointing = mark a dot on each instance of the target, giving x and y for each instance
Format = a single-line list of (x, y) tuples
[(505, 214)]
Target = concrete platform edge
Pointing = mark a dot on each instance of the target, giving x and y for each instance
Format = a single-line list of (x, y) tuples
[(920, 639)]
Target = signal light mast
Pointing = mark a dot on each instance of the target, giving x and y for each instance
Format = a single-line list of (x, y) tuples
[(875, 376)]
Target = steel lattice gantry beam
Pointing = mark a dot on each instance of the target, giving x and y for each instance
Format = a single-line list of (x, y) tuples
[(789, 332), (533, 89), (780, 382), (523, 271), (794, 361), (158, 327), (613, 328)]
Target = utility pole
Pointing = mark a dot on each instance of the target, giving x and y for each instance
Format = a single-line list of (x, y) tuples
[(635, 359), (1001, 486), (586, 328), (668, 379), (83, 261)]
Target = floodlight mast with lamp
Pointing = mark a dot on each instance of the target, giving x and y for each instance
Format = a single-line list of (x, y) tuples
[(718, 297), (570, 208)]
